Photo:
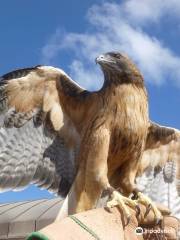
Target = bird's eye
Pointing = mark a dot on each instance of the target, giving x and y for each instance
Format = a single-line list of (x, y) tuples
[(116, 55)]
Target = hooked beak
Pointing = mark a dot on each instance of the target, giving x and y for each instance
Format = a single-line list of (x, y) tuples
[(103, 59), (100, 58)]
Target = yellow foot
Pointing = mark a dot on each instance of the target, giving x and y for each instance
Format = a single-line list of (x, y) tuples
[(150, 205), (121, 201)]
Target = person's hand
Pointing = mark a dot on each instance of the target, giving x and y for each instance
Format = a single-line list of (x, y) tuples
[(111, 225)]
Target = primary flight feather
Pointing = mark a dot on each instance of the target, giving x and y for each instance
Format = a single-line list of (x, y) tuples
[(35, 135)]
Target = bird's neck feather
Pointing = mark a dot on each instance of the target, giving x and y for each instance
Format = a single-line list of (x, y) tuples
[(116, 79)]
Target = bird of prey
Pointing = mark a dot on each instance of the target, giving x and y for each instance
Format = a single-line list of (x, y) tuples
[(78, 143)]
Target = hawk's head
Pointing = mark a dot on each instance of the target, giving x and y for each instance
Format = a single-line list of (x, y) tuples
[(119, 65)]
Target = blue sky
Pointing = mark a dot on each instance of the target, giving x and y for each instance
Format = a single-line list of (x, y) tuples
[(70, 34)]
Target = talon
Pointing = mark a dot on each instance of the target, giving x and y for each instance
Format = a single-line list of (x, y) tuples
[(150, 205), (158, 221), (148, 209), (138, 210), (122, 202)]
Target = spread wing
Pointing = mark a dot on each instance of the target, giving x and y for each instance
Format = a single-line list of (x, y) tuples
[(162, 146), (34, 131), (161, 164), (160, 135)]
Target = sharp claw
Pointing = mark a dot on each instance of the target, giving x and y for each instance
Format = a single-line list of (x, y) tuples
[(149, 207), (107, 209), (158, 221), (138, 210)]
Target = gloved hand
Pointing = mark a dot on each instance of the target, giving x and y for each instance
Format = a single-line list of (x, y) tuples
[(105, 225)]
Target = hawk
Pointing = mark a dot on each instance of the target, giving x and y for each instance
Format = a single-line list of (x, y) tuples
[(78, 143)]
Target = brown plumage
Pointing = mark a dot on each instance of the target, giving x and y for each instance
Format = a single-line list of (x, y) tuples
[(109, 130)]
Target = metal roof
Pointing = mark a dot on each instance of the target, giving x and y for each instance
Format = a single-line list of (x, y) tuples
[(19, 219)]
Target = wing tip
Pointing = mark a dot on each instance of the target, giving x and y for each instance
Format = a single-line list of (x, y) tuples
[(64, 187), (17, 73)]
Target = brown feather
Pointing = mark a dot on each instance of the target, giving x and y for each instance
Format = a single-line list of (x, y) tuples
[(114, 126), (111, 125)]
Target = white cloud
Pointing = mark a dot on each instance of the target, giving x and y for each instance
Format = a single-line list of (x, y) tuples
[(120, 27), (142, 12)]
